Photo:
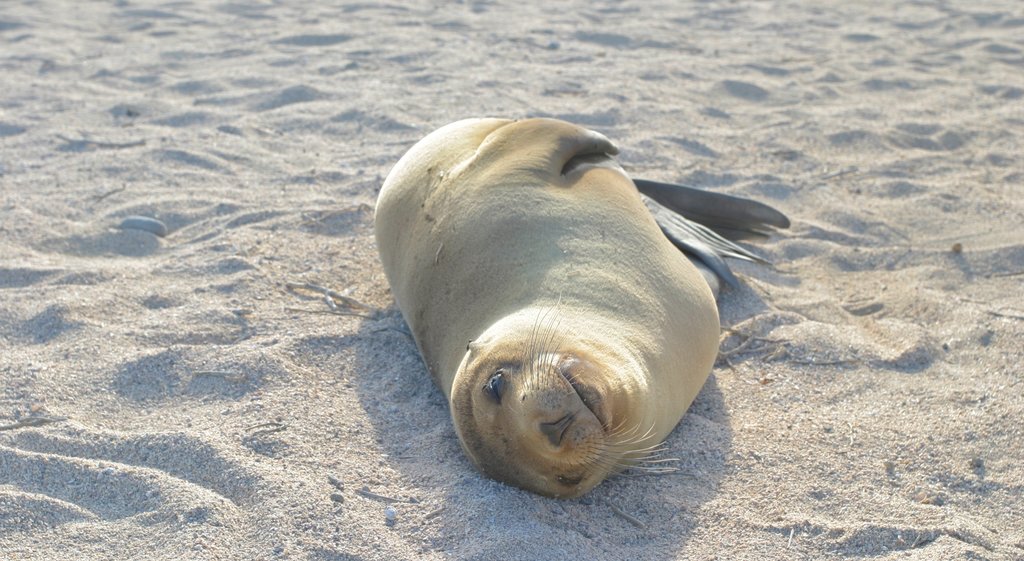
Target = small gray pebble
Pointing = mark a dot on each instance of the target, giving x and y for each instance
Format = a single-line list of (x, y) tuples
[(389, 515), (144, 223)]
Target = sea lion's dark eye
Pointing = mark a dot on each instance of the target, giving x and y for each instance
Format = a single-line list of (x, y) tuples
[(496, 386)]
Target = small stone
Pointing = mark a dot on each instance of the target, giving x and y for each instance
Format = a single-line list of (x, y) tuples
[(958, 247), (928, 498), (337, 497), (977, 463), (144, 223), (390, 514)]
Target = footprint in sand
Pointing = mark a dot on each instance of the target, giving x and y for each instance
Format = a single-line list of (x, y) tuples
[(926, 136), (123, 475)]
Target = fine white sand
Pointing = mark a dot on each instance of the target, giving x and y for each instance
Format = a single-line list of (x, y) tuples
[(868, 403)]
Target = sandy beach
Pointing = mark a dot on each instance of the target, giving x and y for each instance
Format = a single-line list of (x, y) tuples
[(193, 395)]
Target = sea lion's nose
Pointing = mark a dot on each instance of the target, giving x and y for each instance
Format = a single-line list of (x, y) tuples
[(555, 431)]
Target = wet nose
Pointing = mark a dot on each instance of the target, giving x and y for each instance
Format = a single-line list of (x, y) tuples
[(555, 431)]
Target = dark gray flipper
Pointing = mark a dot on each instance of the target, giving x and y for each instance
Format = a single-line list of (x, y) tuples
[(699, 223), (734, 218)]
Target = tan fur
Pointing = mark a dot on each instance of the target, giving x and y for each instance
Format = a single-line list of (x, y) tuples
[(551, 277)]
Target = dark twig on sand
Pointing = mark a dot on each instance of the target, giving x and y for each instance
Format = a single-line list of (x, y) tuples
[(335, 296), (86, 144), (99, 198), (328, 312), (433, 514), (229, 376), (402, 330), (266, 428), (626, 516), (778, 351), (366, 492), (32, 422), (841, 173), (834, 362), (1004, 315), (746, 343)]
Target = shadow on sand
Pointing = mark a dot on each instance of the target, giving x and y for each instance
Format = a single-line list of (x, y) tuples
[(481, 518)]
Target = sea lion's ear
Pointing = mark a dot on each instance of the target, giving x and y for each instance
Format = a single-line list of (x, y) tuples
[(474, 346)]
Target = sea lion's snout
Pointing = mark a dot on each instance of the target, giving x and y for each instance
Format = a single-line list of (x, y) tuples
[(565, 408), (530, 421), (554, 413)]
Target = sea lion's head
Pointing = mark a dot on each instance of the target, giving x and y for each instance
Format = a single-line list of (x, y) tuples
[(535, 412)]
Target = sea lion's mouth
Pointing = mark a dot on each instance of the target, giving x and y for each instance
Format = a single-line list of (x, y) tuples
[(594, 158)]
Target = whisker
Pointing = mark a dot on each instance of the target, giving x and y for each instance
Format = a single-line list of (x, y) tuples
[(532, 380), (655, 460), (546, 337)]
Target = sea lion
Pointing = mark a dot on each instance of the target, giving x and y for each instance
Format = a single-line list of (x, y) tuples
[(557, 316)]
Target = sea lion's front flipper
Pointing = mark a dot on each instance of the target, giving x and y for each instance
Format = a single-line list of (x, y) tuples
[(734, 218)]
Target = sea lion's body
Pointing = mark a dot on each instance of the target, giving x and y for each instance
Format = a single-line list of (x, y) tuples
[(568, 333)]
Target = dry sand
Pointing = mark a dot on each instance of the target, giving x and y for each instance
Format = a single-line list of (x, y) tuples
[(869, 401)]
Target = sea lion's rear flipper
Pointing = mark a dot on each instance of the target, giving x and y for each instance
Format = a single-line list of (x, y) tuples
[(734, 218), (700, 223)]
